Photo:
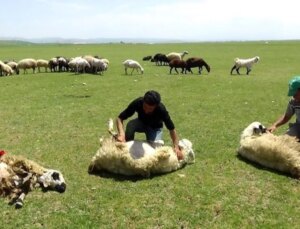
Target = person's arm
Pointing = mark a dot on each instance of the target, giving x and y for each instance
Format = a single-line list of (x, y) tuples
[(175, 141), (121, 132), (280, 121)]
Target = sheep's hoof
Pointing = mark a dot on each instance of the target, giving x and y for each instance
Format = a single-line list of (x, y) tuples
[(19, 204)]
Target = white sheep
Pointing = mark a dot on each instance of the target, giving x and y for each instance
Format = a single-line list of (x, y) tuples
[(42, 63), (5, 69), (176, 55), (13, 66), (134, 65), (26, 64), (247, 63), (139, 157), (79, 64), (98, 65), (281, 153), (19, 175)]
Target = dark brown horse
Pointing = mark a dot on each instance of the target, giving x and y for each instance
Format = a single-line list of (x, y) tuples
[(195, 62), (177, 64)]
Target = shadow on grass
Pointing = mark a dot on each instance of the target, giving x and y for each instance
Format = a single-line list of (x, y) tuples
[(78, 96), (120, 177), (260, 167)]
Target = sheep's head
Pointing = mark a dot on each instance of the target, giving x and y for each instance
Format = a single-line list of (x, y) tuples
[(254, 129), (53, 180), (186, 146), (256, 59)]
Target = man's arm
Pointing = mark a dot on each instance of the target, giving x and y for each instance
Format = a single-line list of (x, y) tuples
[(175, 141), (120, 127)]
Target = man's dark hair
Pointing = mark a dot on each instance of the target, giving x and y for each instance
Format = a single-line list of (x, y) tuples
[(152, 98)]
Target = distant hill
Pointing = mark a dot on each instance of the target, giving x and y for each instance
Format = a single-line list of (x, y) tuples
[(7, 40), (13, 42)]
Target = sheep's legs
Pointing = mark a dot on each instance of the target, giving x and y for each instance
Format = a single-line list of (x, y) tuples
[(248, 70), (234, 67)]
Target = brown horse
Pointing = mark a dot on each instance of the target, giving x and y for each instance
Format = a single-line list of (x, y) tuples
[(177, 64), (196, 62)]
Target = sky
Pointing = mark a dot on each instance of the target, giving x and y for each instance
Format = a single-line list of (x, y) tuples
[(187, 20)]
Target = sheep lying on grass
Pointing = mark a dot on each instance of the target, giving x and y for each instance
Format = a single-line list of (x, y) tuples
[(281, 153), (19, 175), (247, 63), (139, 157)]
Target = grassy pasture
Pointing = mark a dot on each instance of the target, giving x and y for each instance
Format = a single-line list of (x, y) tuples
[(57, 118)]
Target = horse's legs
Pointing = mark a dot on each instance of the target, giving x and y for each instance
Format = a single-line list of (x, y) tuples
[(176, 70), (200, 69)]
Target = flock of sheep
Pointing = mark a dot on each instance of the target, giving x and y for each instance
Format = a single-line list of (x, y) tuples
[(79, 64), (95, 65)]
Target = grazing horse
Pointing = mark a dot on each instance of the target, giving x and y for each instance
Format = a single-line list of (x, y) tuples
[(196, 62), (176, 63)]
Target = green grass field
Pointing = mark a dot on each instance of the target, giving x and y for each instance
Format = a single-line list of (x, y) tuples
[(57, 118)]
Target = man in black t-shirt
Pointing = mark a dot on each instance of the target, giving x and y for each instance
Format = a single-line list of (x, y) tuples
[(152, 114)]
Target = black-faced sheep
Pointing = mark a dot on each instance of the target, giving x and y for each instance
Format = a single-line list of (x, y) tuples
[(53, 64), (247, 63), (146, 58), (134, 65), (19, 175), (280, 153), (196, 62), (139, 157), (160, 59)]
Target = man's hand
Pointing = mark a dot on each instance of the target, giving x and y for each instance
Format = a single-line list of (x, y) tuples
[(178, 153), (120, 138)]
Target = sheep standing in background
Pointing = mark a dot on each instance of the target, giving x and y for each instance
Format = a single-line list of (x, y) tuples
[(281, 153), (134, 65), (5, 69), (13, 66), (98, 65), (53, 64), (160, 59), (247, 63), (19, 175), (176, 55), (42, 63), (139, 157), (62, 64), (79, 65), (26, 64)]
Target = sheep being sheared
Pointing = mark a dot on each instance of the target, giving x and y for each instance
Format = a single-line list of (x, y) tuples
[(139, 157), (19, 175), (281, 153)]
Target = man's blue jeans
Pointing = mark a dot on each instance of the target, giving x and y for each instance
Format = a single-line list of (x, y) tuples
[(135, 125)]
